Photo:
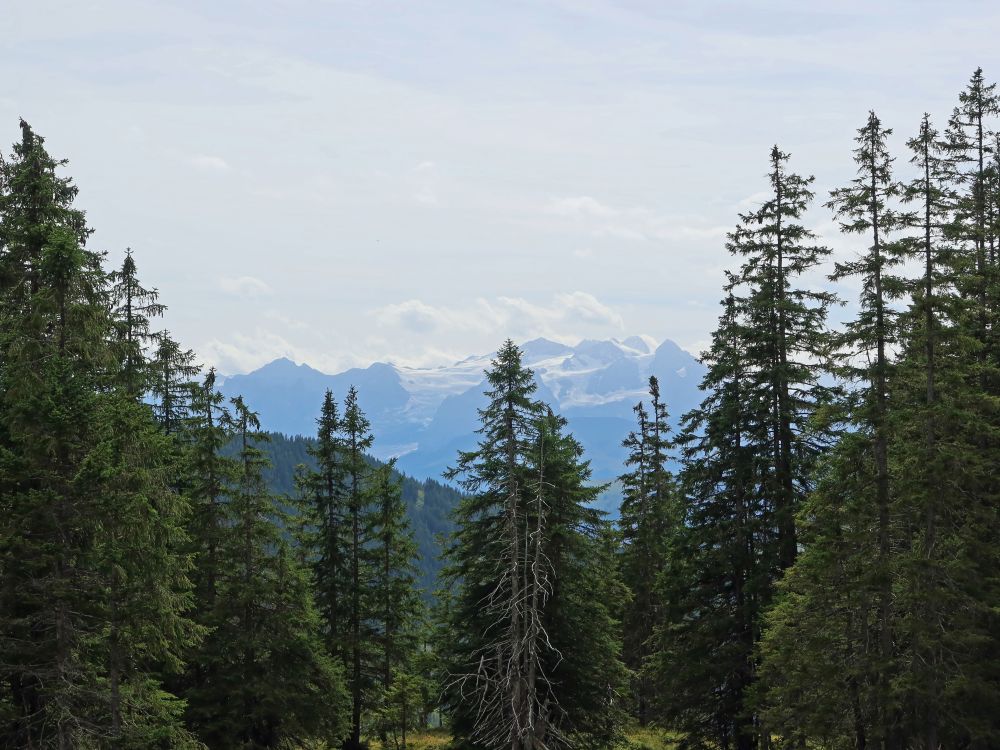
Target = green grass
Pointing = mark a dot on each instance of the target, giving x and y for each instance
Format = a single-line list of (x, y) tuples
[(638, 739), (648, 738), (428, 739)]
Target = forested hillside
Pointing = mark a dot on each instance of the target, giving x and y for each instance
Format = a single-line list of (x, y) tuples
[(806, 558), (428, 503)]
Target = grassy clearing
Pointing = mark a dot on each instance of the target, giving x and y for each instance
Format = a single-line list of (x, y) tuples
[(430, 739), (638, 739), (649, 739)]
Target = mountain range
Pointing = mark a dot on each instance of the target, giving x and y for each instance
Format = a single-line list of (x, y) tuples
[(423, 416)]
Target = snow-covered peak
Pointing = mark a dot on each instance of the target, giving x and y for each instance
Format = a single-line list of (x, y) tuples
[(423, 414)]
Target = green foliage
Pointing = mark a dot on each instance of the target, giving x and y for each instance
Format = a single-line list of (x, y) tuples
[(821, 573), (647, 523), (530, 650), (747, 457), (428, 503), (884, 628), (266, 676)]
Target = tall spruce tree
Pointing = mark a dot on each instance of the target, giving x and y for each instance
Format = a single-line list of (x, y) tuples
[(968, 143), (397, 607), (94, 589), (132, 306), (855, 487), (747, 460), (933, 400), (272, 680), (720, 570), (646, 521), (516, 567), (324, 516), (946, 417), (357, 437), (867, 208), (787, 342), (210, 474)]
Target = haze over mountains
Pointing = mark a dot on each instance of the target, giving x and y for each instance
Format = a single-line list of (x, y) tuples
[(424, 415)]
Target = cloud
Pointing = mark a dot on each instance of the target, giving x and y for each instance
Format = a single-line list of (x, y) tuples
[(244, 286), (634, 223), (425, 178), (209, 163), (242, 352), (754, 201), (567, 316)]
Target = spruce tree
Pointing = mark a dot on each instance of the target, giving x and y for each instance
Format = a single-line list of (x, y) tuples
[(142, 560), (866, 208), (53, 353), (487, 694), (209, 476), (358, 440), (968, 144), (396, 605), (324, 515), (787, 342), (95, 594), (271, 678), (132, 306), (646, 521), (521, 568), (853, 577), (720, 569), (586, 678), (748, 454), (174, 371), (947, 433)]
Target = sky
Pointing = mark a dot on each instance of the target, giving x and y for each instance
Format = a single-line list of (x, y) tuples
[(349, 182)]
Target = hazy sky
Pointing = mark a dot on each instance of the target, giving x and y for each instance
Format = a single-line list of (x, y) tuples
[(344, 182)]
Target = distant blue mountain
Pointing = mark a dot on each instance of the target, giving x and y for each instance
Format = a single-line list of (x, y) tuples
[(426, 415)]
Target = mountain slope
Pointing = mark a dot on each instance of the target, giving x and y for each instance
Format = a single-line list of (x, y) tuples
[(428, 503), (425, 415)]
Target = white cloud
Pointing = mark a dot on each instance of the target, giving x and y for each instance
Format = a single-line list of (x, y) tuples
[(244, 286), (242, 352), (753, 201), (426, 184), (633, 223), (209, 163), (566, 316)]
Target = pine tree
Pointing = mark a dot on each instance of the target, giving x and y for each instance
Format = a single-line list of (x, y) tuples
[(173, 374), (324, 514), (132, 307), (397, 607), (358, 440), (646, 521), (95, 589), (748, 454), (720, 570), (521, 568), (271, 678)]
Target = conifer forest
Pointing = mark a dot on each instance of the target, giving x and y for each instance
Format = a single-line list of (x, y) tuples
[(811, 560)]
